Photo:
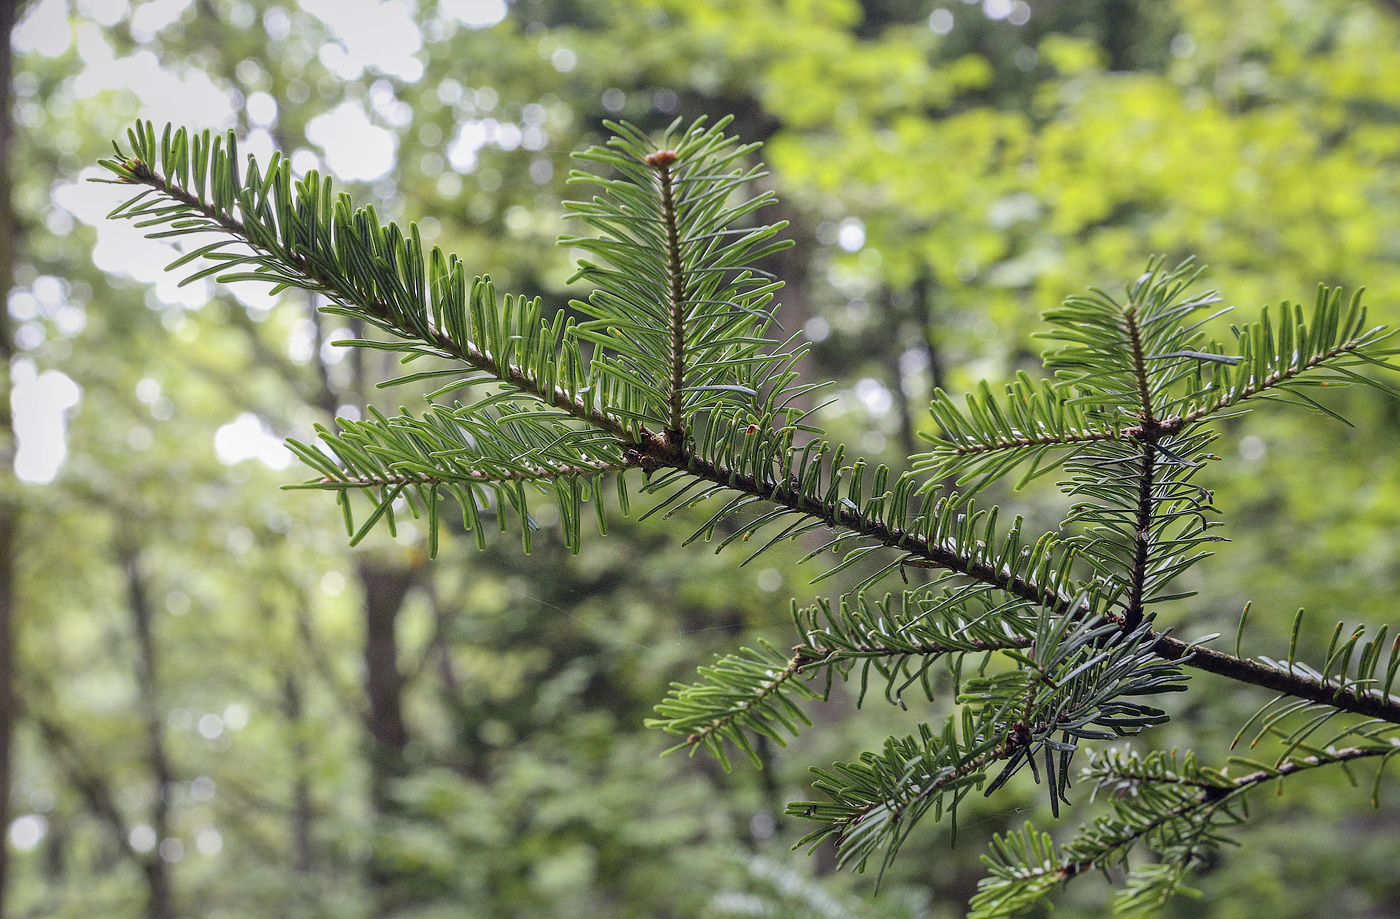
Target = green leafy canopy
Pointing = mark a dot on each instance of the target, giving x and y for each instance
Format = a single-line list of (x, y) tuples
[(669, 372)]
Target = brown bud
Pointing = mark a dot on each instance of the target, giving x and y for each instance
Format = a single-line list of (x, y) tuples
[(660, 159), (134, 165)]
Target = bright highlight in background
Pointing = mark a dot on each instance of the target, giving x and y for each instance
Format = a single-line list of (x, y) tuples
[(475, 14), (28, 831), (356, 149), (851, 236), (45, 29), (40, 402), (249, 437), (383, 36)]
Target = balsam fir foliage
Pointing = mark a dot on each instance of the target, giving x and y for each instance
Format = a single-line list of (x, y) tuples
[(674, 384)]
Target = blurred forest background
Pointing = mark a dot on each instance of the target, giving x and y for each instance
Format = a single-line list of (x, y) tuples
[(219, 710)]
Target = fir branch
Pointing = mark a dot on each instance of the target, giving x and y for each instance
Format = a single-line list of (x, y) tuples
[(1010, 717), (1198, 797), (861, 634), (917, 545), (674, 373), (1284, 348), (1146, 412), (1149, 431), (1142, 536), (751, 690), (652, 450), (316, 273), (993, 436), (662, 160)]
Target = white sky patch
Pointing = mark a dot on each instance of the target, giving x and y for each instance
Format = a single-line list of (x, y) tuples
[(395, 112), (472, 135), (40, 402), (210, 726), (236, 716), (382, 36), (150, 17), (303, 161), (564, 60), (121, 248), (475, 133), (261, 109), (44, 30), (104, 12), (356, 149), (475, 14), (191, 99), (249, 437)]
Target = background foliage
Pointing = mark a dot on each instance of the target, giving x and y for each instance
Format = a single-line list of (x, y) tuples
[(224, 712)]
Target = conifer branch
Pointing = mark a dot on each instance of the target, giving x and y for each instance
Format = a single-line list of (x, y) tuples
[(655, 451), (662, 160), (1274, 379), (1146, 411), (1172, 810), (750, 691), (1149, 431), (1336, 338), (772, 684), (673, 373), (918, 546), (318, 277)]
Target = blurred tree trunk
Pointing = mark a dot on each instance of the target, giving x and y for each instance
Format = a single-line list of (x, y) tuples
[(88, 781), (891, 352), (385, 581), (9, 500), (303, 813), (385, 585), (159, 903)]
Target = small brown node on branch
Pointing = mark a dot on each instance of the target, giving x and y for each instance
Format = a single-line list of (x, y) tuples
[(661, 158)]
